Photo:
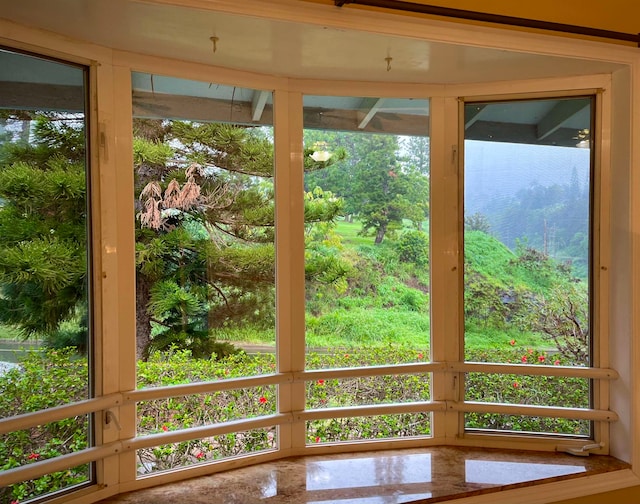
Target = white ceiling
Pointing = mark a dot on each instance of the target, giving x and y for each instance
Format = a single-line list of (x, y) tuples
[(276, 47)]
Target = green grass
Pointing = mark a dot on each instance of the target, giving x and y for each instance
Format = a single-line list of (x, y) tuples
[(348, 231), (247, 334), (390, 312), (486, 338), (368, 326)]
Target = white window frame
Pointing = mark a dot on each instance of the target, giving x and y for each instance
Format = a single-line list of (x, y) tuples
[(599, 373), (619, 160)]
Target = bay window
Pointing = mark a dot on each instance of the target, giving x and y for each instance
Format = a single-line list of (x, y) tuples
[(292, 266)]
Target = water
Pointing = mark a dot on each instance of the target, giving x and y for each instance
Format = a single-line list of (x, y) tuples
[(12, 350)]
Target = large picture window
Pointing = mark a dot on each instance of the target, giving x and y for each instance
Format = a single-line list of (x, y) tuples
[(205, 286), (367, 260), (44, 266), (528, 184)]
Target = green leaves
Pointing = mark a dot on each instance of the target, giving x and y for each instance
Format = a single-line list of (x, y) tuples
[(151, 152), (51, 263)]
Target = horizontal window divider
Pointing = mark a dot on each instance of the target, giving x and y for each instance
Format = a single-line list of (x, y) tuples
[(149, 394), (537, 370), (203, 431), (357, 372), (530, 410), (37, 469), (28, 420), (48, 466), (369, 410)]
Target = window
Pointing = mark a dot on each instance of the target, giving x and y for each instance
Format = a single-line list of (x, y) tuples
[(205, 287), (477, 309), (44, 272), (528, 186), (366, 186)]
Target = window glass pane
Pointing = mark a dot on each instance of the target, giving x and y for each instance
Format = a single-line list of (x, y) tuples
[(368, 428), (527, 241), (204, 195), (44, 308), (367, 390), (367, 240), (527, 424), (528, 389), (199, 451)]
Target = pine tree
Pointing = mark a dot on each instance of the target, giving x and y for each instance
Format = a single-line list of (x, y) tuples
[(43, 219), (385, 191), (205, 236)]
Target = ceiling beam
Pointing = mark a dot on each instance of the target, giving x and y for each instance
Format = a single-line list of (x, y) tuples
[(258, 103), (558, 115), (194, 108), (191, 108), (374, 105), (391, 123), (43, 97), (491, 131)]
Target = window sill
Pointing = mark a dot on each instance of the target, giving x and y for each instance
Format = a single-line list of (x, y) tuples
[(424, 475)]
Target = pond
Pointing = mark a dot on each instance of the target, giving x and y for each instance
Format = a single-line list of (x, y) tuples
[(11, 349)]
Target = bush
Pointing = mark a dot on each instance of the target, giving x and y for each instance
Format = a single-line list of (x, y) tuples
[(526, 389), (42, 381), (45, 380), (413, 247)]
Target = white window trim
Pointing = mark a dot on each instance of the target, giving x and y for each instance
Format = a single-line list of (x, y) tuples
[(117, 473)]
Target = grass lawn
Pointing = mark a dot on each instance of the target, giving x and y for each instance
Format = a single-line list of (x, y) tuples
[(349, 233)]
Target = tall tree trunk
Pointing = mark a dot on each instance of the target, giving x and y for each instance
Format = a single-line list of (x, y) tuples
[(143, 318), (380, 232)]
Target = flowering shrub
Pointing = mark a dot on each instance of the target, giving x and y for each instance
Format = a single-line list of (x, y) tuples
[(176, 367), (526, 389), (54, 378), (43, 380), (368, 427)]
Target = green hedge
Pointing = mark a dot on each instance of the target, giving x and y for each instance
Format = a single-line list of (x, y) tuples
[(45, 380)]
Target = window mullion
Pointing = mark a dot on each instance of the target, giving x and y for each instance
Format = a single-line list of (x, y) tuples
[(445, 260), (290, 322)]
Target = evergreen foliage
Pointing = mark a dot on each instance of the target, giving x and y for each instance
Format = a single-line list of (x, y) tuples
[(43, 219), (205, 236)]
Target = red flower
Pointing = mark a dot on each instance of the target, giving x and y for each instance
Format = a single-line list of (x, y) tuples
[(199, 455), (530, 350), (556, 362), (15, 502), (512, 342), (317, 439), (420, 356), (263, 400), (524, 358), (516, 384), (541, 358), (33, 456), (320, 382), (165, 428)]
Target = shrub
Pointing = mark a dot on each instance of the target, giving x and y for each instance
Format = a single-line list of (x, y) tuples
[(413, 247), (48, 379), (525, 389), (43, 380)]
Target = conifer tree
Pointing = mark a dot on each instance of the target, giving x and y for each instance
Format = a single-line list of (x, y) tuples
[(43, 219), (205, 236)]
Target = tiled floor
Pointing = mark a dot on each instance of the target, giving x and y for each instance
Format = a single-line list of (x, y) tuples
[(386, 477)]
